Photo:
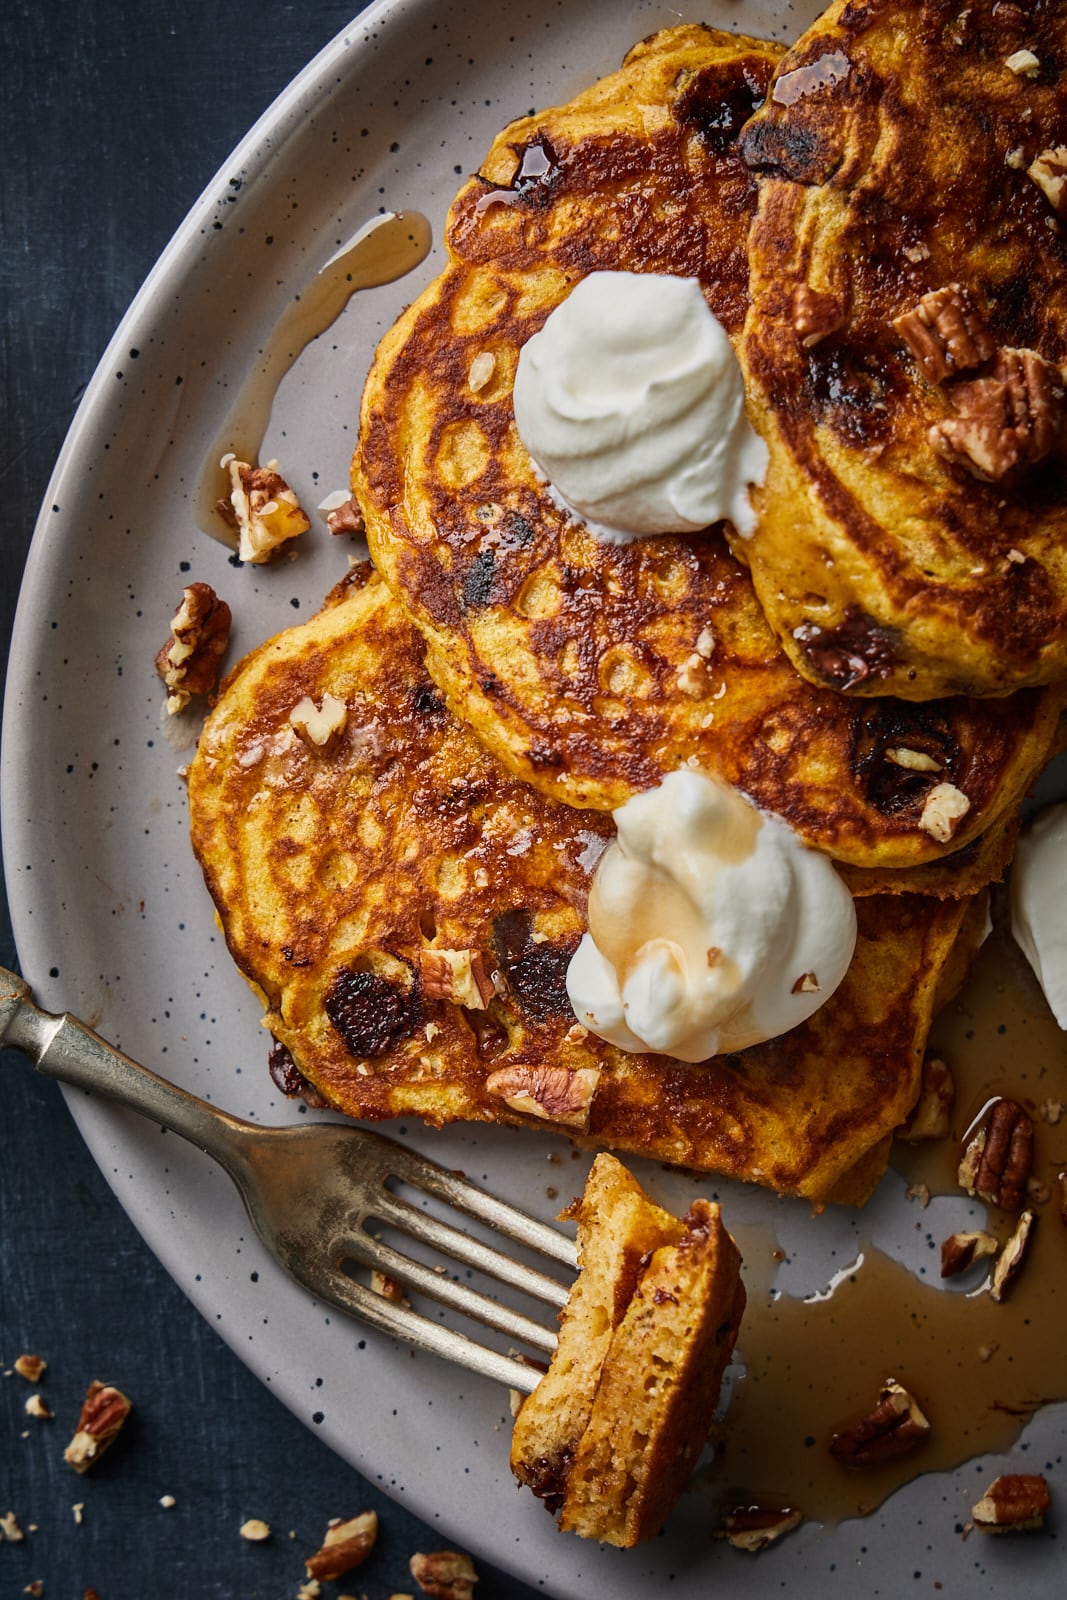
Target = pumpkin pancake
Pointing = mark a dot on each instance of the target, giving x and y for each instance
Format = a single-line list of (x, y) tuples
[(592, 669), (905, 349), (407, 910)]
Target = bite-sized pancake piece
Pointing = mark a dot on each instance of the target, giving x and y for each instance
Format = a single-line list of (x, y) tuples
[(906, 346), (618, 1229), (407, 909), (659, 1386), (614, 1428), (592, 669)]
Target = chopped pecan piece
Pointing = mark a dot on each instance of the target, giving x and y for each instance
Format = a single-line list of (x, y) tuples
[(346, 517), (807, 983), (347, 1544), (1011, 419), (10, 1529), (1049, 172), (30, 1367), (320, 726), (946, 333), (36, 1407), (1023, 63), (961, 1250), (1011, 1259), (912, 760), (265, 509), (816, 315), (388, 1288), (755, 1527), (895, 1427), (943, 810), (457, 975), (444, 1574), (481, 371), (190, 660), (103, 1412), (931, 1118), (555, 1093), (999, 1156), (255, 1530), (1014, 1501)]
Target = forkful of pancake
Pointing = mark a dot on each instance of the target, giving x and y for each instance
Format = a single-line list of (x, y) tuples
[(717, 498)]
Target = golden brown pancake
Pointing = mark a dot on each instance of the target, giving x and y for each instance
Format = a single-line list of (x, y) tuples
[(592, 669), (407, 910), (904, 353)]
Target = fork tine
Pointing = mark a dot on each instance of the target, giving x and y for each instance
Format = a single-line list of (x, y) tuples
[(424, 1280), (401, 1323), (466, 1197), (471, 1252)]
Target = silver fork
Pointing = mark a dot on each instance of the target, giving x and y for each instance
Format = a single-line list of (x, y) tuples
[(311, 1192)]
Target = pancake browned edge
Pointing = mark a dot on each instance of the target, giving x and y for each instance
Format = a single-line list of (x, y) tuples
[(614, 1428), (904, 353), (592, 669), (407, 910)]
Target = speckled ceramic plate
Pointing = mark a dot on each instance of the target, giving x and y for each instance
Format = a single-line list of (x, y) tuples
[(111, 917)]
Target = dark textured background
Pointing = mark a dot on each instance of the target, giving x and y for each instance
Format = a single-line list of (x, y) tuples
[(113, 117)]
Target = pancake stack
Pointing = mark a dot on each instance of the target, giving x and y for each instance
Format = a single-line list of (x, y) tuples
[(402, 871)]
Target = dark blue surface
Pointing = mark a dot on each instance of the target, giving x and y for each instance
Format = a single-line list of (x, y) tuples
[(112, 120)]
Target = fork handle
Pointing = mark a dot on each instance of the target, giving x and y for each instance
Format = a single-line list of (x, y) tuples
[(65, 1048)]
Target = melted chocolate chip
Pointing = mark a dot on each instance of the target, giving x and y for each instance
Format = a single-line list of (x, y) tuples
[(371, 1013), (536, 972), (926, 728), (427, 701), (478, 580), (289, 1079), (795, 151), (717, 104), (856, 650)]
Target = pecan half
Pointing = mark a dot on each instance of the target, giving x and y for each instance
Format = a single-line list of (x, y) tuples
[(103, 1412), (347, 1544), (190, 660), (1010, 419), (961, 1250), (931, 1117), (946, 333), (755, 1527), (998, 1158), (1011, 1259), (457, 975), (816, 315), (1014, 1501), (895, 1427), (444, 1574), (555, 1093)]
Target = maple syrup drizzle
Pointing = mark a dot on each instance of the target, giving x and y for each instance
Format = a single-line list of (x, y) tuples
[(978, 1369), (385, 249)]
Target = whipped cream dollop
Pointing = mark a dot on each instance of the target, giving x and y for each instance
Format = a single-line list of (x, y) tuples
[(630, 401), (1039, 904), (712, 926)]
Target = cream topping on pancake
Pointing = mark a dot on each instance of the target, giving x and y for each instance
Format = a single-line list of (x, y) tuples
[(1038, 905), (711, 926), (631, 402)]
